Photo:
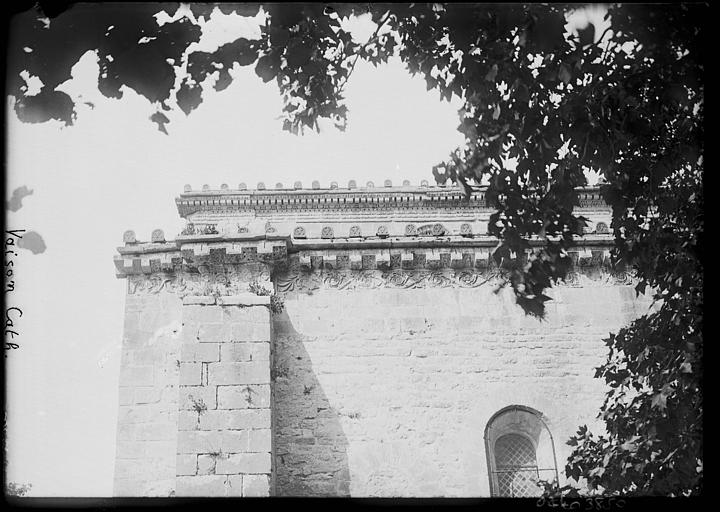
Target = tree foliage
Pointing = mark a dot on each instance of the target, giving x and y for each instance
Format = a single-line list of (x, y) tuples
[(627, 103)]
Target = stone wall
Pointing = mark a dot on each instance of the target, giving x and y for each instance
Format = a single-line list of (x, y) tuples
[(224, 423), (147, 419), (390, 358), (387, 392)]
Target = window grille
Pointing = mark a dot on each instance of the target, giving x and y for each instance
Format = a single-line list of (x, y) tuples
[(513, 437), (517, 470)]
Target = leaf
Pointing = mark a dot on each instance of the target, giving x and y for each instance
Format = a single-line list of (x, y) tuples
[(431, 82), (188, 97), (547, 31), (44, 106), (223, 81), (490, 76), (161, 120), (496, 113), (564, 74), (659, 400), (630, 445), (245, 52), (267, 67), (246, 9), (502, 252), (587, 34), (298, 54), (279, 36)]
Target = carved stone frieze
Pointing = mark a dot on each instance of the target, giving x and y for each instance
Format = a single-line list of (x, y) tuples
[(304, 281), (230, 281), (297, 279)]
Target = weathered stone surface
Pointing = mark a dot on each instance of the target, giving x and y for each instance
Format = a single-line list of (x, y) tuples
[(256, 486), (138, 375), (214, 441), (235, 419), (260, 440), (245, 299), (197, 398), (188, 420), (252, 372), (206, 464), (187, 464), (250, 332), (199, 442), (147, 419), (216, 332), (199, 352), (243, 396), (244, 463), (202, 300), (234, 485), (193, 313), (190, 374), (126, 396), (147, 395), (387, 392), (390, 357), (205, 485), (240, 352)]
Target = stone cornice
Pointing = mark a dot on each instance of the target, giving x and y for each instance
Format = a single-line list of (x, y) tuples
[(403, 198), (196, 255), (366, 228)]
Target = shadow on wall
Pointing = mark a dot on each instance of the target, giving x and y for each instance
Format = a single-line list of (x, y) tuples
[(310, 445)]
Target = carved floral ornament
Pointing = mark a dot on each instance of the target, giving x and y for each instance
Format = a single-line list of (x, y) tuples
[(157, 236), (298, 280), (230, 282), (192, 229), (295, 279), (601, 228), (436, 229)]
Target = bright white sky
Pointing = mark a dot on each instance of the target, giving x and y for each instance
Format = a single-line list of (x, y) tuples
[(113, 171)]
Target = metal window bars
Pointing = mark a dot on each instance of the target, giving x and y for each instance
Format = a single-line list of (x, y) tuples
[(521, 481)]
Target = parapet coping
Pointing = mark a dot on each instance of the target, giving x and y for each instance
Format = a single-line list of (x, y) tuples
[(341, 244), (389, 189)]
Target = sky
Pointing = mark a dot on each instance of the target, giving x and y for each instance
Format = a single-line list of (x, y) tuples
[(113, 171)]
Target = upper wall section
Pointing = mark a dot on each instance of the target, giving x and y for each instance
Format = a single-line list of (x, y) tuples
[(371, 227), (352, 212)]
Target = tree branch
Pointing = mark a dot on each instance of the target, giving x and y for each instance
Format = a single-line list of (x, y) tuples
[(357, 55)]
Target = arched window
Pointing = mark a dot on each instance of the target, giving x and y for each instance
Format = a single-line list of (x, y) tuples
[(520, 452)]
